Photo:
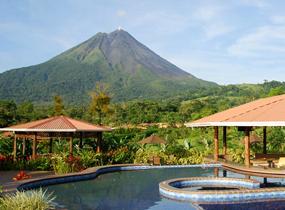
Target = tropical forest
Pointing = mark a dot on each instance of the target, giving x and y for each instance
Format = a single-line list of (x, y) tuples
[(135, 120)]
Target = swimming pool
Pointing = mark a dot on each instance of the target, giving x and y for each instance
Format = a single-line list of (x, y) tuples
[(139, 189)]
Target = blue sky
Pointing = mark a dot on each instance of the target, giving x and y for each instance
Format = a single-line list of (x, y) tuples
[(225, 41)]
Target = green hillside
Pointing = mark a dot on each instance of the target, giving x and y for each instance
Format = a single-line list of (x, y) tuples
[(130, 69)]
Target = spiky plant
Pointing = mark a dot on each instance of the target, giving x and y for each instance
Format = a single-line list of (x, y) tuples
[(28, 200)]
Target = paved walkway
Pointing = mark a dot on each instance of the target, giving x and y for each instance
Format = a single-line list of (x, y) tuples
[(6, 178)]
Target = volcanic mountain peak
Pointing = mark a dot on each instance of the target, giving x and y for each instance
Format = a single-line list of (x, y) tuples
[(130, 69), (119, 48)]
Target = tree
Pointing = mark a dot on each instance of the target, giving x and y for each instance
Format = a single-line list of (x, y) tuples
[(8, 113), (25, 111), (188, 108), (276, 91), (58, 105), (100, 101)]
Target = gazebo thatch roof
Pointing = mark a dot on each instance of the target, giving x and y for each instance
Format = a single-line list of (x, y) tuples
[(153, 139), (263, 112)]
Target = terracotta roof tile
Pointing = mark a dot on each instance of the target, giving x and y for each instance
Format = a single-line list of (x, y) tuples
[(57, 124), (263, 112)]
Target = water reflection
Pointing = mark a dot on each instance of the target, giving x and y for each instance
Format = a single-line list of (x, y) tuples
[(129, 190), (138, 190)]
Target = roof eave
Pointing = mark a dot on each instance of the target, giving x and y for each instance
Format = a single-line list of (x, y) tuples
[(51, 130), (36, 130), (237, 124)]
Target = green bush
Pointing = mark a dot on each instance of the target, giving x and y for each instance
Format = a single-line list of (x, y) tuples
[(190, 156), (236, 155), (63, 163), (6, 145), (89, 158), (177, 150), (29, 200), (41, 163), (60, 166), (194, 157), (120, 155), (142, 155)]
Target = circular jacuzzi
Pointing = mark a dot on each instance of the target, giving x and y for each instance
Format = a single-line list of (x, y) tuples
[(217, 189)]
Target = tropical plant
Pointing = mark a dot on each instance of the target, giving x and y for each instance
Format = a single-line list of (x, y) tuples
[(58, 105), (60, 166), (100, 101), (40, 163), (276, 140), (8, 113), (29, 200), (236, 155), (89, 158), (120, 155), (143, 155)]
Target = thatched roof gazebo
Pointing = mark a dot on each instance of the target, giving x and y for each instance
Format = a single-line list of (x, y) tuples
[(153, 139), (53, 127), (260, 113)]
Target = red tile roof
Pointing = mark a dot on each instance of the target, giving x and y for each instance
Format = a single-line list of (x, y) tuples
[(57, 124), (263, 112)]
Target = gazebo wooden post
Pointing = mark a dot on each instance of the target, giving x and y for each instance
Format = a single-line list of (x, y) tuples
[(99, 141), (24, 147), (50, 145), (34, 154), (264, 140), (225, 141), (71, 146), (247, 147), (80, 141), (15, 147), (216, 143)]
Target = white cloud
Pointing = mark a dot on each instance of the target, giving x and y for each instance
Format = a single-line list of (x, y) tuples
[(121, 13), (255, 3), (266, 41), (212, 20), (163, 22), (278, 19), (207, 13), (217, 29)]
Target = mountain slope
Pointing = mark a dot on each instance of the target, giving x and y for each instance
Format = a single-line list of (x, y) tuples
[(130, 69)]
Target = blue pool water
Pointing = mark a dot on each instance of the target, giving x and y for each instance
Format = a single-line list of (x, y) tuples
[(138, 190)]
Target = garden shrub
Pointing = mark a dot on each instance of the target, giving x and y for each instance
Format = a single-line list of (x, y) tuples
[(63, 163), (236, 155), (120, 155), (90, 158), (29, 200), (190, 156), (41, 163), (143, 155), (60, 166)]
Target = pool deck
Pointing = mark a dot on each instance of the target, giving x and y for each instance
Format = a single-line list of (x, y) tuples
[(10, 186), (253, 170)]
